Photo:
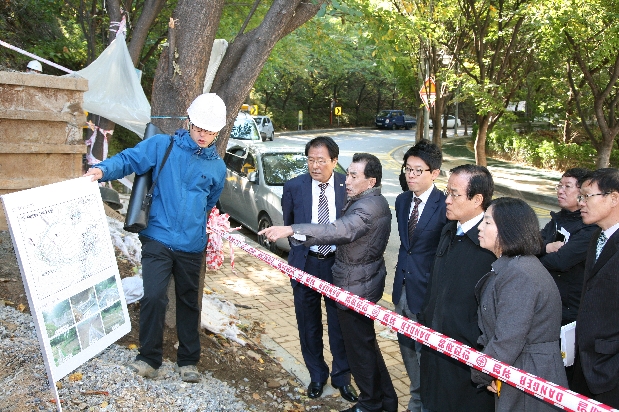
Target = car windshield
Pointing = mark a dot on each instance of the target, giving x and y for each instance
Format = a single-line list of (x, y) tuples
[(244, 129), (278, 168), (384, 113)]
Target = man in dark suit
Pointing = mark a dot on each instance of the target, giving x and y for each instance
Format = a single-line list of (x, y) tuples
[(421, 216), (450, 306), (596, 369), (301, 203)]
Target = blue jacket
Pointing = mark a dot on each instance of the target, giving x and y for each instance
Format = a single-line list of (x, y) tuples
[(189, 186)]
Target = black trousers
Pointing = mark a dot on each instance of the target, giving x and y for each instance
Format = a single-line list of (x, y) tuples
[(376, 392), (308, 310), (158, 264)]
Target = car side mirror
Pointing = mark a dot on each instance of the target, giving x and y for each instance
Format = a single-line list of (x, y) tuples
[(253, 177)]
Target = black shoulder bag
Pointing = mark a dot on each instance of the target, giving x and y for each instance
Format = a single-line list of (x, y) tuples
[(138, 209)]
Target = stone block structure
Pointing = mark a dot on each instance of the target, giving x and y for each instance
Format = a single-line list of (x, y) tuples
[(41, 138)]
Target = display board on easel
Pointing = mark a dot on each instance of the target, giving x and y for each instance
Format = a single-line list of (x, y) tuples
[(68, 267)]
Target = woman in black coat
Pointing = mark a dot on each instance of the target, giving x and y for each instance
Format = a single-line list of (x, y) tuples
[(519, 304)]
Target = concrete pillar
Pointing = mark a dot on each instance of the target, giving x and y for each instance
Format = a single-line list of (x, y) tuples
[(41, 138)]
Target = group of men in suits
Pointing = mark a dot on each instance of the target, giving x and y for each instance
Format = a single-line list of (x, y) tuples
[(439, 263)]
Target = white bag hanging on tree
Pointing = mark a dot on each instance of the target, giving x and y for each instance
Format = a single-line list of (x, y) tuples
[(114, 89)]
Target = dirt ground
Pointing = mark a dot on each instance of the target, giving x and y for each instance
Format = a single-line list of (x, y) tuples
[(239, 366)]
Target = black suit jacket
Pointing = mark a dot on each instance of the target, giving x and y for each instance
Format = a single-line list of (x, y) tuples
[(597, 325), (297, 208)]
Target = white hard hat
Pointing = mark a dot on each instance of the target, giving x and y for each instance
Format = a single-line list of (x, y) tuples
[(35, 65), (208, 112)]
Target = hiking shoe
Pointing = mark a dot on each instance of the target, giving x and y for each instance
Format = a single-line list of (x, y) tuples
[(188, 373), (143, 369)]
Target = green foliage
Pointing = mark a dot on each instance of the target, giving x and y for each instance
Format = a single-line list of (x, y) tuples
[(327, 60), (40, 27), (540, 149)]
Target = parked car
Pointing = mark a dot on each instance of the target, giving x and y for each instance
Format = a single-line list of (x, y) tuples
[(451, 122), (245, 128), (394, 119), (265, 125), (254, 185)]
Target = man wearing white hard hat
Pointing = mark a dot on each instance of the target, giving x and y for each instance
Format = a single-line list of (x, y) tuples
[(186, 189), (34, 66)]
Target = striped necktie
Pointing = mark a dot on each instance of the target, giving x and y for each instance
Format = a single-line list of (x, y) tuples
[(323, 215), (412, 222), (601, 242)]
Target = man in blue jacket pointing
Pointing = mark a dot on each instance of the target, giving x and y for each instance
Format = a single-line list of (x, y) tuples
[(187, 187)]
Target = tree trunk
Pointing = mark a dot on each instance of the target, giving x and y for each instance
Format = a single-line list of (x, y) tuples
[(194, 32), (480, 140)]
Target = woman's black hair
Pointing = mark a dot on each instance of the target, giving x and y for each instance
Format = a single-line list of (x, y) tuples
[(517, 227)]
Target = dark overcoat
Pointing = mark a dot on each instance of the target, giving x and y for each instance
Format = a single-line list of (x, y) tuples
[(567, 265), (451, 309)]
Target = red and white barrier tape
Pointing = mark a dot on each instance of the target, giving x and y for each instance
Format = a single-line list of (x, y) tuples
[(541, 388)]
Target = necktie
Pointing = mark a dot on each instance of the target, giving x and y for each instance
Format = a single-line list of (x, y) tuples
[(601, 242), (323, 215), (412, 222), (459, 232)]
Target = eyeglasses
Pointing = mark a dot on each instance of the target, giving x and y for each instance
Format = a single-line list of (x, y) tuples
[(585, 198), (320, 161), (416, 172), (451, 193), (564, 187)]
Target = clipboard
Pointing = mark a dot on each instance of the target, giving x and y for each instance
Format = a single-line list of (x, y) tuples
[(568, 343)]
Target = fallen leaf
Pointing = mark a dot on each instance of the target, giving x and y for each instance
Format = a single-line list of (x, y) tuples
[(256, 396), (104, 405), (3, 280), (106, 393), (59, 385), (132, 346), (54, 401), (74, 377), (21, 307)]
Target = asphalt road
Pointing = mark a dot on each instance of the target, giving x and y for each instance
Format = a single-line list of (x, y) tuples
[(381, 143)]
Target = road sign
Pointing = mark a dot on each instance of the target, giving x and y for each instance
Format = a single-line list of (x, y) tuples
[(337, 111), (253, 110), (428, 92)]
